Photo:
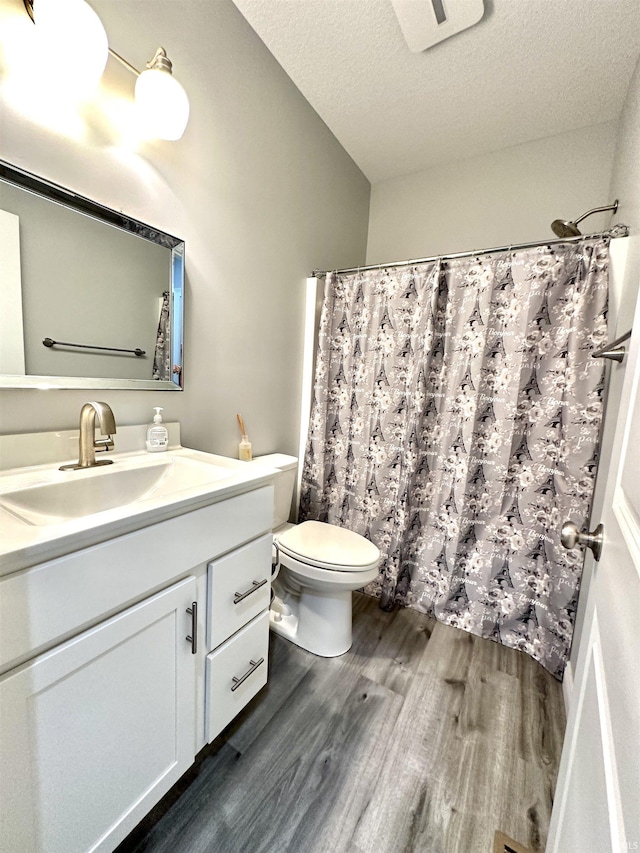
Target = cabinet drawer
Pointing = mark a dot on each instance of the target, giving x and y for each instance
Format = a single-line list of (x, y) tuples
[(235, 673), (239, 587)]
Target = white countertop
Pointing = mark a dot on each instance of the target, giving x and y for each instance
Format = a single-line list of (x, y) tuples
[(24, 543)]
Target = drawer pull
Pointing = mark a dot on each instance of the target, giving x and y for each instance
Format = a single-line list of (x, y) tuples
[(254, 665), (240, 596), (193, 636)]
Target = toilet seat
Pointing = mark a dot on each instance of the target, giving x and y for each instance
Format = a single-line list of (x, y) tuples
[(328, 547)]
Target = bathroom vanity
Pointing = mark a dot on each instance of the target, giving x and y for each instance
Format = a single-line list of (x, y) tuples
[(129, 636)]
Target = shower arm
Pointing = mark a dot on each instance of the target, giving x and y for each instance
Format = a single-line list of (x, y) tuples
[(613, 207)]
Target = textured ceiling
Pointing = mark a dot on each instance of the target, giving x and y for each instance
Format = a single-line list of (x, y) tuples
[(529, 69)]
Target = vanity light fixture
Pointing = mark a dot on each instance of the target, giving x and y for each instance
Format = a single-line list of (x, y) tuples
[(69, 36), (76, 37), (161, 102)]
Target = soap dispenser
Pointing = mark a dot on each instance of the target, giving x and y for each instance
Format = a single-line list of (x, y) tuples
[(157, 433)]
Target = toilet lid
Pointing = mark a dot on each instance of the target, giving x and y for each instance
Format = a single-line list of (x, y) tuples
[(330, 546)]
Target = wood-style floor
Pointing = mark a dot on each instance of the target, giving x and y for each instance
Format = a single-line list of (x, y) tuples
[(421, 738)]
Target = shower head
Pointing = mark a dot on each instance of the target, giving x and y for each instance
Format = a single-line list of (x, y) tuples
[(563, 228)]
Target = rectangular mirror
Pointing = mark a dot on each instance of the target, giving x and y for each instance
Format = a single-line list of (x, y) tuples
[(89, 298)]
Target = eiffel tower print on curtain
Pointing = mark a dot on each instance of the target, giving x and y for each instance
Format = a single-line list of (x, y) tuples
[(530, 615), (335, 428), (542, 317), (468, 540), (449, 504), (477, 481), (385, 321), (410, 292), (345, 507), (431, 410), (555, 421), (440, 561), (377, 436), (372, 486), (401, 406), (548, 488), (340, 378), (531, 388), (381, 378), (437, 350), (466, 383), (423, 469), (512, 514), (487, 414), (503, 578), (343, 325), (332, 477), (457, 445), (591, 466), (350, 455), (538, 552), (458, 598), (496, 349), (475, 318), (522, 452), (406, 350)]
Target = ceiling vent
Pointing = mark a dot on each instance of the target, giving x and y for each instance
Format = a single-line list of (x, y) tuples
[(426, 22)]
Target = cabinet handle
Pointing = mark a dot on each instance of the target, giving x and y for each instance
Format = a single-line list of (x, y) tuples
[(240, 596), (193, 636), (254, 665)]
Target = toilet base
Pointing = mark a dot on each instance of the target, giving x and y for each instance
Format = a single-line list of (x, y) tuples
[(318, 623)]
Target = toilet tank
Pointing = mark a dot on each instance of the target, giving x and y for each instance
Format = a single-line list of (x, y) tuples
[(284, 484)]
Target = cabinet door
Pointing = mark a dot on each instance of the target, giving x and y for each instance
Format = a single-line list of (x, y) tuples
[(94, 732)]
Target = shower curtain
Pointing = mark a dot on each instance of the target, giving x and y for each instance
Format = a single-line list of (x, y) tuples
[(162, 353), (455, 423)]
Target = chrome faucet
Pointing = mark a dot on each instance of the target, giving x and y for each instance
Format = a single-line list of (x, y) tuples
[(88, 442)]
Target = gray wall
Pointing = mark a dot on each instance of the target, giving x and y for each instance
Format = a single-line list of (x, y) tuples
[(258, 188), (509, 196), (625, 185)]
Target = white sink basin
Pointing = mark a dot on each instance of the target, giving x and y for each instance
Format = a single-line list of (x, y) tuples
[(66, 495), (46, 513)]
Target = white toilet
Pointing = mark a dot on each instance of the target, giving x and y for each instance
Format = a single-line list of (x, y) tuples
[(319, 565)]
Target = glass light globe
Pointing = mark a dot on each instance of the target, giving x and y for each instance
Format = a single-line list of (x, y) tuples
[(162, 104), (73, 45)]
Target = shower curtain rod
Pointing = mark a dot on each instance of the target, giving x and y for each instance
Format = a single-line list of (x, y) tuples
[(616, 231)]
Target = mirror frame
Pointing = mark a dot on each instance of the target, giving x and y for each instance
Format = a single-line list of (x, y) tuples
[(67, 198)]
